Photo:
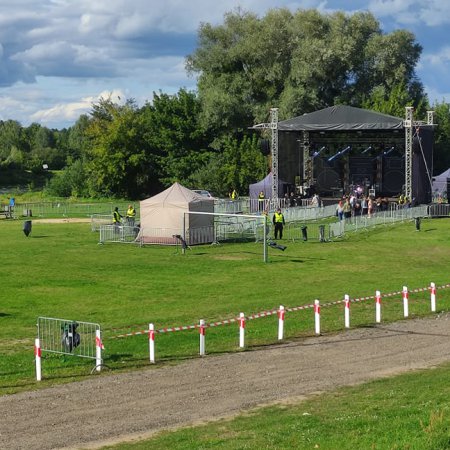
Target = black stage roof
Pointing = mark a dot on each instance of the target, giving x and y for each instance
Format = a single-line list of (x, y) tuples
[(342, 118)]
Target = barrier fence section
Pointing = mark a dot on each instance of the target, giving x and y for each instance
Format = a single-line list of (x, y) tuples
[(356, 223), (439, 210), (119, 233), (241, 320), (68, 337), (67, 209)]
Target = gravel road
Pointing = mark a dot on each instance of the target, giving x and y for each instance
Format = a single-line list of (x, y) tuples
[(116, 408)]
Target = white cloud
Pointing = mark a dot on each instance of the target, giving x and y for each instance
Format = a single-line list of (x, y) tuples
[(70, 112), (72, 50), (430, 13), (441, 58)]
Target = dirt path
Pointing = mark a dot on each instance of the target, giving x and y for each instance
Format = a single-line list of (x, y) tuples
[(116, 408)]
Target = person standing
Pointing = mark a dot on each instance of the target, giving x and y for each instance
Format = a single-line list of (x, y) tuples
[(278, 221), (261, 201), (117, 217), (131, 215)]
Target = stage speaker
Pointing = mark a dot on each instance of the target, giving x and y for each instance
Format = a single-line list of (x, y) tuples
[(393, 176), (327, 176)]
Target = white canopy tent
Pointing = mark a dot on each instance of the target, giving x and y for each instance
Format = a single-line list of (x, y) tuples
[(440, 182), (164, 216)]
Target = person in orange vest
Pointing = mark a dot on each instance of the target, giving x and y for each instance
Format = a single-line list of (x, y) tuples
[(278, 221)]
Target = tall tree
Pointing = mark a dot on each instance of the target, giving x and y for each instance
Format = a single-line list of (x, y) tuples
[(116, 159), (239, 164), (441, 137), (174, 135), (298, 62)]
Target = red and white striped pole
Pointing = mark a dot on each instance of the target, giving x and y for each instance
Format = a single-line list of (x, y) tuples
[(241, 330), (405, 301), (151, 341), (377, 306), (202, 337), (317, 316), (37, 355), (98, 351), (281, 313), (433, 297), (347, 311)]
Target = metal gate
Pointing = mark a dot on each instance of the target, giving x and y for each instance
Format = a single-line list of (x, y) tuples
[(68, 337)]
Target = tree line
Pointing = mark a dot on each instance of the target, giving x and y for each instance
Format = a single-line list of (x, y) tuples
[(298, 61)]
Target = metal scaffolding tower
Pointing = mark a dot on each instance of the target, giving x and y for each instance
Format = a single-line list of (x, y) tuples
[(411, 125), (273, 126), (274, 148), (408, 123), (307, 162)]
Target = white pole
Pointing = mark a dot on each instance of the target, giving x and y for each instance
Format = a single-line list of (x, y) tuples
[(151, 341), (241, 330), (347, 311), (433, 297), (98, 351), (281, 313), (202, 337), (405, 302), (265, 240), (37, 354), (377, 306), (317, 316)]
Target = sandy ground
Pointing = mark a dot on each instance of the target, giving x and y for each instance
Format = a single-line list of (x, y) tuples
[(125, 407), (64, 220)]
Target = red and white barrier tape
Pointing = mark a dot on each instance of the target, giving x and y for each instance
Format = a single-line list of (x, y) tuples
[(274, 312)]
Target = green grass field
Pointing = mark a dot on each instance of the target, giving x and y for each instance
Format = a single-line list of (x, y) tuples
[(61, 271)]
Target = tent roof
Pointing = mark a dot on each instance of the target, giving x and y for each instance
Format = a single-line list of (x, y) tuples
[(444, 175), (268, 180), (342, 118), (174, 195)]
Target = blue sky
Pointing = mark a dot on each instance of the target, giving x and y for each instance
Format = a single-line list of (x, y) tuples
[(57, 57)]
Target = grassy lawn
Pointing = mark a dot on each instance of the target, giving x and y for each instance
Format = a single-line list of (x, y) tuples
[(61, 271)]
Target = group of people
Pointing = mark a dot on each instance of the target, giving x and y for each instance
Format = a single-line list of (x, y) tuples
[(352, 205), (130, 216)]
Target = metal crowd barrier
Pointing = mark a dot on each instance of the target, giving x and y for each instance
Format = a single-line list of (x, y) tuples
[(118, 233), (439, 210)]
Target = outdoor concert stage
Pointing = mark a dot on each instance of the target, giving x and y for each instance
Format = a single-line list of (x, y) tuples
[(340, 149)]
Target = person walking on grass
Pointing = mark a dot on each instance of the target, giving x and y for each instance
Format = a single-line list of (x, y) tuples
[(278, 221)]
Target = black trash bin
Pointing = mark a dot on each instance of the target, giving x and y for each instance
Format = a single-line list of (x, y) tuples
[(305, 233), (417, 220), (27, 227), (322, 233)]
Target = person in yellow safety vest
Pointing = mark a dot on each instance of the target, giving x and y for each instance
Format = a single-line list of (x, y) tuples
[(117, 217), (278, 221), (234, 195), (131, 214)]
